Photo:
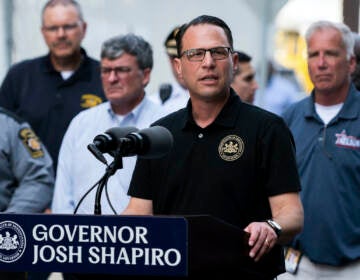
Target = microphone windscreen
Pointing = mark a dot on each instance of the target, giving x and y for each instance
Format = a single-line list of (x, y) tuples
[(121, 132), (159, 141)]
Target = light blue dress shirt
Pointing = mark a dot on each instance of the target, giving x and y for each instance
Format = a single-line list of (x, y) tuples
[(78, 169)]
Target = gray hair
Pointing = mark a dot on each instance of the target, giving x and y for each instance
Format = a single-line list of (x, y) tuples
[(345, 32), (130, 44), (53, 3)]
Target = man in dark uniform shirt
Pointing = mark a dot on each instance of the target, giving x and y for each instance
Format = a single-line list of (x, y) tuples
[(49, 91), (230, 160)]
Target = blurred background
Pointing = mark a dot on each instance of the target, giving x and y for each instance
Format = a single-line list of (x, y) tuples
[(268, 30)]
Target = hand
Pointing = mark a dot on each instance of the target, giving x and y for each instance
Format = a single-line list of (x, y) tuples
[(262, 239), (47, 211)]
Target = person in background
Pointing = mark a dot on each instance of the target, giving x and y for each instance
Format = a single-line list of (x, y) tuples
[(126, 64), (244, 83), (326, 128), (281, 89), (355, 76), (48, 91), (26, 173), (172, 96), (229, 159)]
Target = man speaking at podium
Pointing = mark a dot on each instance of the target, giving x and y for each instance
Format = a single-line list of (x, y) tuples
[(229, 159)]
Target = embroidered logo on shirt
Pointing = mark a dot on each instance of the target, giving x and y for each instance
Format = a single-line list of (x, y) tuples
[(31, 142), (90, 100), (231, 148), (347, 141)]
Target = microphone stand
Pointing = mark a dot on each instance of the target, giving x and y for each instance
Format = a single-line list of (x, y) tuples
[(110, 170)]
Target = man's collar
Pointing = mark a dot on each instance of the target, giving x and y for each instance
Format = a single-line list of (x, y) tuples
[(48, 66), (227, 116), (348, 111)]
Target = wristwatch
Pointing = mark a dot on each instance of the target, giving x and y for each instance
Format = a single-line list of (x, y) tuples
[(275, 226)]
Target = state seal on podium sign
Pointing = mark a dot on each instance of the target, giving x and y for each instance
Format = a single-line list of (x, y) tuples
[(12, 241)]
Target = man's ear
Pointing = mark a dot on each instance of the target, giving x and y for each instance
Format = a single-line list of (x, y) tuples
[(146, 76), (178, 67), (84, 28), (235, 61), (352, 63)]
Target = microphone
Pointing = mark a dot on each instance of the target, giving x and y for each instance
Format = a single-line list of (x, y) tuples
[(152, 142), (108, 141)]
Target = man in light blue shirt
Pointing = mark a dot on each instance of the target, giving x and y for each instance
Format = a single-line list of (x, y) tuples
[(126, 63)]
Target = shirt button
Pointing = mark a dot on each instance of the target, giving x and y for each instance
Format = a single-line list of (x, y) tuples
[(201, 135)]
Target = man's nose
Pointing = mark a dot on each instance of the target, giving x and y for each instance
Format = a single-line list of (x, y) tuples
[(60, 31), (208, 59)]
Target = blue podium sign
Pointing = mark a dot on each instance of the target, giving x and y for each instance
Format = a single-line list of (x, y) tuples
[(107, 244)]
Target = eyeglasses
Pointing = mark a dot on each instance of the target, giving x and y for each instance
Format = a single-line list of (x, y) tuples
[(66, 27), (106, 71), (217, 53)]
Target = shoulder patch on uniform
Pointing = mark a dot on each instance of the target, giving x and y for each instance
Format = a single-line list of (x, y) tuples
[(31, 142), (231, 148), (89, 100)]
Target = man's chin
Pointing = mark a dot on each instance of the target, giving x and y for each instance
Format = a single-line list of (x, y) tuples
[(324, 89), (63, 54)]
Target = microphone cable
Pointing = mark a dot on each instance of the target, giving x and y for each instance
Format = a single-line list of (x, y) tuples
[(103, 181)]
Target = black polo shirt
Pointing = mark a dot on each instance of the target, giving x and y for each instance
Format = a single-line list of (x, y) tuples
[(34, 90), (227, 170)]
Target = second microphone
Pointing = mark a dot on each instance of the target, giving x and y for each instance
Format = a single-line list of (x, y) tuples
[(152, 142)]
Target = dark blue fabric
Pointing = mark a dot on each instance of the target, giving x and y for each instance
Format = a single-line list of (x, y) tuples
[(194, 178), (35, 91)]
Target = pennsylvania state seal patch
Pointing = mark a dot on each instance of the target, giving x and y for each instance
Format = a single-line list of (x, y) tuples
[(231, 148)]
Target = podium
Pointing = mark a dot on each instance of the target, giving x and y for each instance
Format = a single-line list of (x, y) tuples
[(120, 245), (215, 245)]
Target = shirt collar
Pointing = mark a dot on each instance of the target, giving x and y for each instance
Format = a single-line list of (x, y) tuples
[(132, 116), (348, 111), (48, 66), (227, 116)]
